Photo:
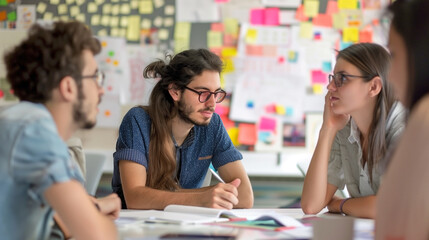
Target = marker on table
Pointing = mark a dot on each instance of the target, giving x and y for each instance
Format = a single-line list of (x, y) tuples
[(216, 176)]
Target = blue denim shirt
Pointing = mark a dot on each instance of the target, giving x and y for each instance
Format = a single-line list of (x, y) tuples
[(32, 158), (207, 144)]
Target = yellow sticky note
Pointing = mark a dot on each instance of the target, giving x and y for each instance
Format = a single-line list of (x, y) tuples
[(114, 1), (306, 30), (169, 10), (107, 9), (251, 35), (168, 22), (163, 34), (115, 9), (125, 9), (55, 2), (74, 11), (351, 34), (69, 2), (146, 23), (145, 7), (347, 4), (233, 134), (41, 7), (105, 20), (114, 32), (317, 88), (62, 9), (229, 65), (102, 33), (158, 21), (134, 4), (280, 110), (80, 17), (133, 30), (229, 52), (158, 3), (311, 8), (124, 21), (182, 30), (64, 18), (99, 2), (95, 20), (214, 39), (48, 16), (181, 44), (114, 21), (92, 7), (338, 20), (231, 26), (122, 32), (80, 2)]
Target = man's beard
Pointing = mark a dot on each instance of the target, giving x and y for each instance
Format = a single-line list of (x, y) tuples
[(185, 112), (79, 115)]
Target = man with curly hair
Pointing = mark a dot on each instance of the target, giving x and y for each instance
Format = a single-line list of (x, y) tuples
[(54, 74)]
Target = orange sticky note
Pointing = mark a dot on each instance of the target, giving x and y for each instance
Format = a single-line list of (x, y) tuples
[(365, 36), (247, 134), (254, 50), (332, 7), (324, 20), (299, 15), (217, 27), (3, 16)]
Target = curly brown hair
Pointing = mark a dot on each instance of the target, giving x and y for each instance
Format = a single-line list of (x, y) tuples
[(36, 66)]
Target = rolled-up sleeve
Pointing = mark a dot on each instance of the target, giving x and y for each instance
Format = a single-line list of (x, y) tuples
[(40, 158), (224, 152), (133, 140), (335, 170)]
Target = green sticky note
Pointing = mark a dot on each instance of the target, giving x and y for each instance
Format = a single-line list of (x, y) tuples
[(3, 2), (111, 53), (11, 16)]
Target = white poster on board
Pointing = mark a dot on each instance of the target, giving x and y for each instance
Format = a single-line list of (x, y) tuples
[(197, 11)]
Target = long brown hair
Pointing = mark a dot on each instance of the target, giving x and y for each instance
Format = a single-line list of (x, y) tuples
[(180, 71), (373, 60)]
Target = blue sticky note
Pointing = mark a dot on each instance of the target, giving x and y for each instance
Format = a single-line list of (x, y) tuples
[(344, 45), (264, 136), (289, 111), (327, 67), (250, 104)]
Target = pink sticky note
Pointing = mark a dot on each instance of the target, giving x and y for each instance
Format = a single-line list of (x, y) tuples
[(270, 108), (257, 16), (332, 7), (217, 27), (255, 50), (227, 123), (222, 110), (300, 15), (267, 124), (221, 1), (216, 50), (324, 20), (272, 16), (247, 134), (317, 76)]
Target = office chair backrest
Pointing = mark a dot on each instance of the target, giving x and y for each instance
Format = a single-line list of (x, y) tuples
[(94, 170)]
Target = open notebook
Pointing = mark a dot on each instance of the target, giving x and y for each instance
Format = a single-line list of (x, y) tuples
[(179, 214)]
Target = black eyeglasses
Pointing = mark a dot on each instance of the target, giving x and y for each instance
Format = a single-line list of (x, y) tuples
[(98, 77), (340, 78), (204, 96)]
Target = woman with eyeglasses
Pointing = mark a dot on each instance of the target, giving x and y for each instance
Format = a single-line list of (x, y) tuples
[(361, 121), (403, 202), (164, 150)]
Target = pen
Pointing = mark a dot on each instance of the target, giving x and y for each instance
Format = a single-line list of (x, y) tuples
[(217, 176)]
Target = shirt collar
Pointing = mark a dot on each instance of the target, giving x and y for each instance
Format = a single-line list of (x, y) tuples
[(188, 140), (354, 132)]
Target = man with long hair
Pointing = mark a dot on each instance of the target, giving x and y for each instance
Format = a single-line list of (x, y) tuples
[(54, 74), (164, 150)]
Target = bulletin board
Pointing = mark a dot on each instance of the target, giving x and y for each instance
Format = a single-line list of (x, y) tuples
[(277, 54)]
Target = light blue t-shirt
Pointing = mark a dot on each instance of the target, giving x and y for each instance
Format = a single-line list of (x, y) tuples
[(32, 158)]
